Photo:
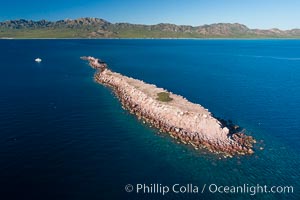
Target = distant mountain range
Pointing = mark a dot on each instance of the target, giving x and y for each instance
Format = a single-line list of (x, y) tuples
[(99, 28)]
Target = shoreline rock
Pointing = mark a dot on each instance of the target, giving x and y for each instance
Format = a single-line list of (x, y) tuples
[(187, 122)]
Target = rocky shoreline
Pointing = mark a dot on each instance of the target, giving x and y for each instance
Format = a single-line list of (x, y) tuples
[(185, 121)]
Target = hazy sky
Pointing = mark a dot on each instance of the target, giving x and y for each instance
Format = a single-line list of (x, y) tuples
[(284, 14)]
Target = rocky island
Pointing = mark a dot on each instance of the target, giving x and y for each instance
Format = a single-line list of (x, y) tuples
[(185, 121)]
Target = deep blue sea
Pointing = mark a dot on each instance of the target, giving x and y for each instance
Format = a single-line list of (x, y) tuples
[(65, 137)]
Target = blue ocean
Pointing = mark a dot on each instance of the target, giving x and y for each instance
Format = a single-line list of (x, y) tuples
[(65, 137)]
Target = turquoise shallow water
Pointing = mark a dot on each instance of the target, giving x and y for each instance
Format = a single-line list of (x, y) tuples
[(63, 136)]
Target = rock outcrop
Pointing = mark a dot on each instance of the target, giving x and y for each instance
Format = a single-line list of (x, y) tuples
[(188, 122)]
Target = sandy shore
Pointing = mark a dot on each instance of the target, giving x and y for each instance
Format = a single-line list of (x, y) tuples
[(188, 122)]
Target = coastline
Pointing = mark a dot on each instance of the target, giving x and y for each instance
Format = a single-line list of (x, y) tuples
[(185, 121), (149, 38)]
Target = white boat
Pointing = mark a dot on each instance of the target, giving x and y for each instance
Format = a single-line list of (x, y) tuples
[(38, 60)]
